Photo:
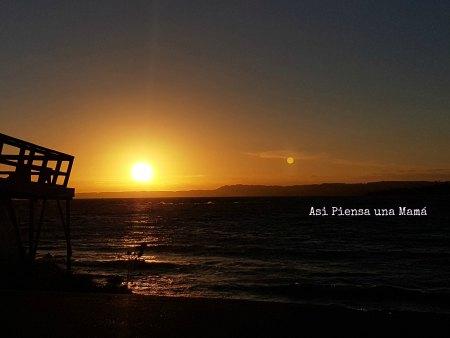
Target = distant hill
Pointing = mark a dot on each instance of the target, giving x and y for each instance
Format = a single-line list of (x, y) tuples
[(324, 189)]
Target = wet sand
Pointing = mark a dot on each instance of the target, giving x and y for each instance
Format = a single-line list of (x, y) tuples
[(50, 314)]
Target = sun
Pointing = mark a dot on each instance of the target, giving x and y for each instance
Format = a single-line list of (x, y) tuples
[(142, 172)]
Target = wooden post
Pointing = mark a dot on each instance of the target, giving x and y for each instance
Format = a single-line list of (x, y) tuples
[(56, 172), (69, 169), (13, 218), (21, 155), (44, 174), (65, 220), (67, 232), (31, 230), (38, 230)]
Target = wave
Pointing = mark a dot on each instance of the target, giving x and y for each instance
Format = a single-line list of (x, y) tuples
[(251, 250), (380, 293), (133, 264), (265, 253)]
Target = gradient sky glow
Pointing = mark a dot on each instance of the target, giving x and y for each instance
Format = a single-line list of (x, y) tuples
[(222, 92)]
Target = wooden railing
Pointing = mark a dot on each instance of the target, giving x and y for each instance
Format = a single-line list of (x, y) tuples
[(25, 162)]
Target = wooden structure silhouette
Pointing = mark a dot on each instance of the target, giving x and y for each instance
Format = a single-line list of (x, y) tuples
[(34, 174)]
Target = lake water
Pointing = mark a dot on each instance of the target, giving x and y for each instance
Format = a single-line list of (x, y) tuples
[(267, 249)]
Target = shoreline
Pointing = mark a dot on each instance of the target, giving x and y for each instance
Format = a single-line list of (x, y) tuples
[(58, 314)]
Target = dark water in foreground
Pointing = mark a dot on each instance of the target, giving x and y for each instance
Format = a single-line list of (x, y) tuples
[(268, 249)]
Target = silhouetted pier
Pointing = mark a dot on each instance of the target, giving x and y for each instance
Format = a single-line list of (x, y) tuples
[(37, 175)]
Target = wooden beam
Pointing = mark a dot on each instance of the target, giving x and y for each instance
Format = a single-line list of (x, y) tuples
[(15, 142), (33, 173), (37, 157)]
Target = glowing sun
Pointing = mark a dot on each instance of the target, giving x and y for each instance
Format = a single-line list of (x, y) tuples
[(142, 172)]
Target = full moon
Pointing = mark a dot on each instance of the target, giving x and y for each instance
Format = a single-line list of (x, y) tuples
[(142, 172), (290, 160)]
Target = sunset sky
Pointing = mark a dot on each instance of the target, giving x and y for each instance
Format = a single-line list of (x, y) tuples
[(223, 92)]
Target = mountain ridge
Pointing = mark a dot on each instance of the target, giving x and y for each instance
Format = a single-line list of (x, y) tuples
[(306, 190)]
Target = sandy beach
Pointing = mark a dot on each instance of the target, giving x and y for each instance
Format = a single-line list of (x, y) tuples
[(48, 314)]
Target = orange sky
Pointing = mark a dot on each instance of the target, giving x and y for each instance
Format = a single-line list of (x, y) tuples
[(206, 149), (212, 96)]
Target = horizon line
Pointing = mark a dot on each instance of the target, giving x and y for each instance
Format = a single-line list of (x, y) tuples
[(260, 186)]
